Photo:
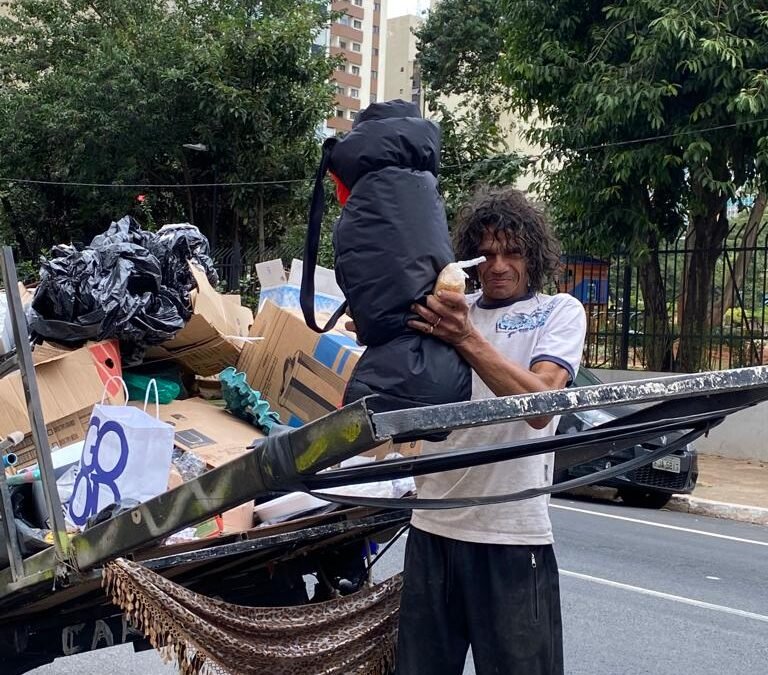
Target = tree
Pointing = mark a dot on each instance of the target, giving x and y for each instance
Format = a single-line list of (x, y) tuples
[(602, 75), (457, 59), (474, 152), (109, 91), (595, 79), (459, 46)]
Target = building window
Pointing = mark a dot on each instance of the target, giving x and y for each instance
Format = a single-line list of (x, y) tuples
[(374, 74), (353, 115), (356, 47), (356, 70), (359, 3), (375, 51), (375, 29), (342, 68), (342, 91), (373, 98), (342, 44), (402, 69), (344, 20), (376, 6), (357, 24), (354, 93), (339, 112)]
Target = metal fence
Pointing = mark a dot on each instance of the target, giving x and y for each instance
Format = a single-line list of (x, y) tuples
[(622, 332), (237, 267)]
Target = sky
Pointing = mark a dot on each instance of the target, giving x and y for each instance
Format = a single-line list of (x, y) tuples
[(400, 7)]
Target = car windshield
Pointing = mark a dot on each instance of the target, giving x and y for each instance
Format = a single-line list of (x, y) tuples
[(585, 378)]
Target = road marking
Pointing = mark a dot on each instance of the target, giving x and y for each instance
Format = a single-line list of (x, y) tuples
[(661, 525), (714, 578), (667, 596)]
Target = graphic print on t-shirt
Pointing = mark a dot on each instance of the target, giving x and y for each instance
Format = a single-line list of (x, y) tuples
[(519, 323)]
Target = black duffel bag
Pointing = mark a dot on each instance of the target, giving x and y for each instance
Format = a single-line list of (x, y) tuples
[(390, 243)]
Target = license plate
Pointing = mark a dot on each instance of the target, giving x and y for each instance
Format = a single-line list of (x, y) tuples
[(669, 463)]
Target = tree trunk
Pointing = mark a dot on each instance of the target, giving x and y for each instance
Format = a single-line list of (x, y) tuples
[(260, 220), (188, 181), (657, 335), (735, 283), (710, 228), (689, 243)]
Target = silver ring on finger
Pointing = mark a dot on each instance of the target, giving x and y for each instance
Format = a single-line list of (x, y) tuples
[(431, 329), (437, 323)]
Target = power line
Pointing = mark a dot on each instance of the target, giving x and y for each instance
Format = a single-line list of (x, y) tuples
[(661, 137), (140, 186), (177, 186)]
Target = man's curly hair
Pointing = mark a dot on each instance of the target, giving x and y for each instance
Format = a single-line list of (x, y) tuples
[(511, 217)]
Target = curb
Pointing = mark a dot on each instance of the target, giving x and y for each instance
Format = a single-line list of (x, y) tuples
[(708, 507)]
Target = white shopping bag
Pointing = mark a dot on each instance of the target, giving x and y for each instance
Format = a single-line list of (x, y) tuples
[(126, 455)]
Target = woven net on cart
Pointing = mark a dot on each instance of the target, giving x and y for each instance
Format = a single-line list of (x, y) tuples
[(352, 634)]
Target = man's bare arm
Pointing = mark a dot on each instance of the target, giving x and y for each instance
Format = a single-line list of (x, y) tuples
[(447, 317)]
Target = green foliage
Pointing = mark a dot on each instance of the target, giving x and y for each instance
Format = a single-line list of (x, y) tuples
[(458, 57), (599, 73), (109, 92), (292, 242), (474, 153), (459, 48), (596, 79)]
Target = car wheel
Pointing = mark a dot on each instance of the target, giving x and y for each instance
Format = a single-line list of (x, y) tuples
[(649, 499)]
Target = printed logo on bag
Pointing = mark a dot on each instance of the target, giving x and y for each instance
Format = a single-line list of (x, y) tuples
[(105, 456)]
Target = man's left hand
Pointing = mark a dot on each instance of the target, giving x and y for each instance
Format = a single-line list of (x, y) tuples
[(446, 316)]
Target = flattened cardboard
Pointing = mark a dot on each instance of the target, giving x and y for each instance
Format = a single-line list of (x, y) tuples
[(208, 343), (216, 437), (207, 430), (271, 273), (238, 519), (70, 382)]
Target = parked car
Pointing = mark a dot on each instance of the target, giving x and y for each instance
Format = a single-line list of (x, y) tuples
[(650, 486)]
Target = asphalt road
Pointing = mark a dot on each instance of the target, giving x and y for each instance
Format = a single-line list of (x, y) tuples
[(643, 592)]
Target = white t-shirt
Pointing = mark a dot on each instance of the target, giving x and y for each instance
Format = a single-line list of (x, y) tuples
[(525, 331)]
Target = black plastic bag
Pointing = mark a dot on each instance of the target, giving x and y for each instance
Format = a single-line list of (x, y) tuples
[(128, 284), (173, 246)]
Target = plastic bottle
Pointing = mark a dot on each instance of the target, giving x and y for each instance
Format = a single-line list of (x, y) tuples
[(453, 277)]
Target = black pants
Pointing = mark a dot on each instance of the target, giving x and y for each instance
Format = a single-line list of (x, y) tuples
[(503, 601)]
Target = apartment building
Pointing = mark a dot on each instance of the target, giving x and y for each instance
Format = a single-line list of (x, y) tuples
[(360, 37), (403, 79)]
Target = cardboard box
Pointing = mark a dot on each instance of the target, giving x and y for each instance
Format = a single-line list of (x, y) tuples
[(301, 373), (70, 382), (213, 338), (238, 519)]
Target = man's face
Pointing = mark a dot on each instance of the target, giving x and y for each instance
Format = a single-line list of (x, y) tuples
[(504, 275)]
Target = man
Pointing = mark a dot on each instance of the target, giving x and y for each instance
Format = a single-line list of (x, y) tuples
[(486, 576)]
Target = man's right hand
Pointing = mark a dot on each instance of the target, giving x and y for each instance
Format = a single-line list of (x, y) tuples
[(350, 326)]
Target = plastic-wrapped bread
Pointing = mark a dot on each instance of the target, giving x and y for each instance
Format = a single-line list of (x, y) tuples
[(453, 277)]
